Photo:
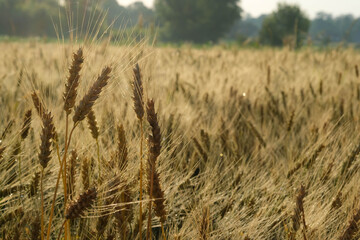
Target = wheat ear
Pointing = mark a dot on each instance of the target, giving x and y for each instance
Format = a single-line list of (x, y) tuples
[(138, 93), (76, 208), (26, 124), (154, 188), (72, 83), (352, 227), (122, 150), (87, 102), (299, 213), (94, 129)]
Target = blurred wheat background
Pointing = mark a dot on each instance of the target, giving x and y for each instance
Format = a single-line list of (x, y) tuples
[(110, 136), (254, 144)]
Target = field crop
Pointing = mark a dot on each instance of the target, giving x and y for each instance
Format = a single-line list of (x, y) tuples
[(226, 143)]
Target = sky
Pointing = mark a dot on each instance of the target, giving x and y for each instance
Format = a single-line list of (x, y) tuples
[(311, 7)]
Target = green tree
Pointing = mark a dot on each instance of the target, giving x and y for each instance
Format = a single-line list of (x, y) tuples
[(196, 20), (287, 25)]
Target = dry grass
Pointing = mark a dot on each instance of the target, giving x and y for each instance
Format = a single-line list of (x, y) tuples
[(255, 144)]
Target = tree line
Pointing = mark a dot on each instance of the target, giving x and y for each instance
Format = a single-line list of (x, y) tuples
[(198, 21), (27, 18), (324, 29)]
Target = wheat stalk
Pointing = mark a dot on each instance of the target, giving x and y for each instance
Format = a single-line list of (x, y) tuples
[(137, 97), (154, 189), (47, 134)]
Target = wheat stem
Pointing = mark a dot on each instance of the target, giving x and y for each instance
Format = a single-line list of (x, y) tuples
[(57, 185), (98, 155), (61, 228), (42, 204), (59, 158), (64, 175), (141, 178), (162, 231), (148, 232), (20, 187)]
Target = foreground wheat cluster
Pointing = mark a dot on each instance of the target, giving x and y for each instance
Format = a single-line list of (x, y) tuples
[(144, 143)]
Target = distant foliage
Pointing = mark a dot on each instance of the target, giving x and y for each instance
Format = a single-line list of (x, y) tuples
[(326, 29), (245, 29), (287, 25), (196, 21), (130, 16), (26, 18)]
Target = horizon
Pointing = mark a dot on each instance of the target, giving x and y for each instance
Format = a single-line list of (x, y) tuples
[(310, 7)]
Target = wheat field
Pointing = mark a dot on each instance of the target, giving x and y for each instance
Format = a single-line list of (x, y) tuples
[(226, 143)]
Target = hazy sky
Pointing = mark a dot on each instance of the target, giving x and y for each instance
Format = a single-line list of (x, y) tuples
[(257, 7)]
